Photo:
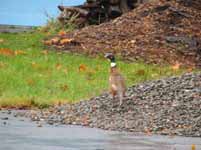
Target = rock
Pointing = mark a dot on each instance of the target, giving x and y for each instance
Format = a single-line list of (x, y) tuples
[(39, 125), (50, 122), (9, 112), (5, 118)]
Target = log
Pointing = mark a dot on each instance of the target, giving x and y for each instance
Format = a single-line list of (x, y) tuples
[(124, 6), (89, 5), (78, 10), (179, 12), (97, 11), (114, 11), (191, 42), (114, 2)]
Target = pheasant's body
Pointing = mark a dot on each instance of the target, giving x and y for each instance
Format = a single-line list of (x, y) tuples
[(116, 82)]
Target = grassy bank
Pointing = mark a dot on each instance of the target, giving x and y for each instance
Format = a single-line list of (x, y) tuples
[(33, 76)]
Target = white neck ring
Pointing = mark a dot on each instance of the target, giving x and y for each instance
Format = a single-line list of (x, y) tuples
[(113, 64)]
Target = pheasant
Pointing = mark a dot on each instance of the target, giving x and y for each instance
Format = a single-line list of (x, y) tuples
[(117, 84)]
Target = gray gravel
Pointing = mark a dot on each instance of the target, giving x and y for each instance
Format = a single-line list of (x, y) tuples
[(169, 106)]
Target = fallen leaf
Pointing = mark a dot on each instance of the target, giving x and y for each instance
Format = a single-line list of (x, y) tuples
[(85, 120), (55, 40), (1, 40), (193, 147), (60, 47), (65, 41), (89, 76), (47, 42), (153, 75), (30, 82), (62, 33), (6, 52), (34, 65), (190, 69), (44, 52), (176, 66), (59, 102), (58, 66), (133, 41), (147, 131), (82, 67), (65, 71), (64, 87), (140, 72), (2, 64), (19, 52)]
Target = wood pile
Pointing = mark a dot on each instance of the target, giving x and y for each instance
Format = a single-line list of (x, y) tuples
[(96, 11)]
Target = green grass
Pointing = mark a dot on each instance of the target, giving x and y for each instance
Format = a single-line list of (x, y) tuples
[(38, 78)]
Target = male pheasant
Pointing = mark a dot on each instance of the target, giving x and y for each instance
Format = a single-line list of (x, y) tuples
[(117, 84)]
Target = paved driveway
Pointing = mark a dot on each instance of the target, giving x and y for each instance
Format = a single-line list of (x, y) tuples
[(21, 134)]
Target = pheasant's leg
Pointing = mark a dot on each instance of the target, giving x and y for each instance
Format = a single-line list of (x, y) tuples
[(114, 93), (120, 98)]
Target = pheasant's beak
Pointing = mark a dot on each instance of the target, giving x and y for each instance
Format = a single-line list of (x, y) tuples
[(107, 55)]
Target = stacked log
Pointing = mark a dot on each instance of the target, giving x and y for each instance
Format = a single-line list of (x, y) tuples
[(96, 11)]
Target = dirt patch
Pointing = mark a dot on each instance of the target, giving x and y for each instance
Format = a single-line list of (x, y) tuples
[(157, 32)]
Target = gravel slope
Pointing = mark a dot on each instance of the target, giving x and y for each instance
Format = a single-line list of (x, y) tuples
[(167, 106)]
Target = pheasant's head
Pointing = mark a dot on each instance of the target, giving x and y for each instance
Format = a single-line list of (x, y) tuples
[(111, 57)]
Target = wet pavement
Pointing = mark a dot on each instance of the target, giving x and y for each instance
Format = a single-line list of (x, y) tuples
[(22, 134)]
